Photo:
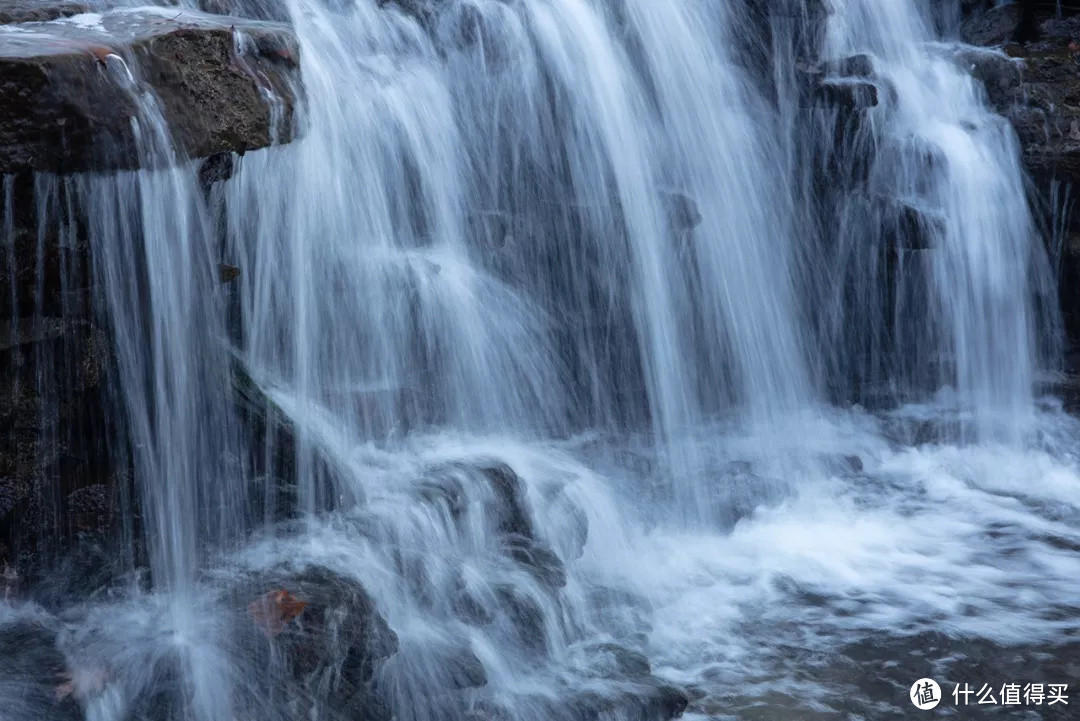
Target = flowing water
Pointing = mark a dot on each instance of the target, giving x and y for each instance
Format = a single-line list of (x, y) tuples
[(765, 430)]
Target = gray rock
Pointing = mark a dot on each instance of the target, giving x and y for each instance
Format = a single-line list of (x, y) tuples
[(1001, 75), (538, 560), (847, 94), (67, 100), (25, 11), (254, 9), (995, 26), (325, 660), (853, 66)]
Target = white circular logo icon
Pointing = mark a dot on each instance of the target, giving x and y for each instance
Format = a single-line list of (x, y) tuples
[(925, 694)]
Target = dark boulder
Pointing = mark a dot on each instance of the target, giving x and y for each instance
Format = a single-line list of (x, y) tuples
[(325, 659), (510, 511), (69, 90), (853, 66), (540, 561), (846, 94), (993, 26)]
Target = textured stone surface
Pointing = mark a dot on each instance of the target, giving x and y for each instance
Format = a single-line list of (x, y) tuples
[(70, 88), (25, 11)]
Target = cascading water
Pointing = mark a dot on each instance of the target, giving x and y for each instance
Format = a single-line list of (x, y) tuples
[(522, 387), (942, 157)]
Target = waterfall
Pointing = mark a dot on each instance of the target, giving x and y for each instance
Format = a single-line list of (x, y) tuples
[(942, 167), (571, 357)]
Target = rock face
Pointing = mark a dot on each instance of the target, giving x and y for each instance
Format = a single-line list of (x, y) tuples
[(55, 471), (70, 87), (993, 26), (1032, 77), (34, 664)]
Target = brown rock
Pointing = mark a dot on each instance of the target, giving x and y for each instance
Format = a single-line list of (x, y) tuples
[(67, 93)]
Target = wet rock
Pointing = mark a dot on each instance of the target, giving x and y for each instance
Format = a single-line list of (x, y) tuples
[(1038, 92), (228, 273), (25, 11), (1000, 75), (843, 465), (92, 507), (538, 560), (525, 616), (276, 10), (682, 211), (624, 661), (273, 455), (468, 606), (54, 459), (650, 701), (511, 512), (67, 100), (906, 227), (215, 169), (35, 667), (445, 488), (846, 94), (853, 66), (464, 669), (994, 26), (330, 652)]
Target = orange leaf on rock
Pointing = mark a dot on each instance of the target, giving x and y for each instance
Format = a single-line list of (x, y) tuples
[(275, 609), (101, 53)]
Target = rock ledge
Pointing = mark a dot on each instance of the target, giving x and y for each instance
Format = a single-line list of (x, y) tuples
[(71, 87)]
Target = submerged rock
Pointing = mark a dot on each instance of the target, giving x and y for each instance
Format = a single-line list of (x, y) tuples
[(328, 653), (651, 700), (846, 94), (70, 88), (36, 669), (538, 560)]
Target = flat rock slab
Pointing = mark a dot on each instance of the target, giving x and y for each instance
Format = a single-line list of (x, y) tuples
[(26, 11), (77, 91)]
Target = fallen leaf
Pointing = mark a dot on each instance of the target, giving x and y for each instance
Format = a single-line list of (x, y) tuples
[(101, 53), (275, 609)]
